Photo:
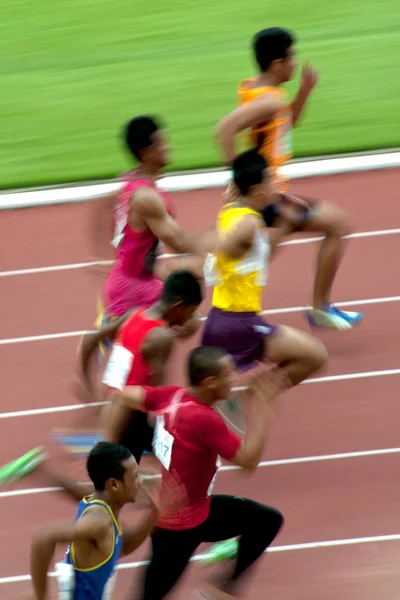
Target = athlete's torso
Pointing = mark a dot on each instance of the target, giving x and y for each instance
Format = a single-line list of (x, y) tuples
[(126, 365), (136, 250), (95, 583), (274, 139), (238, 282)]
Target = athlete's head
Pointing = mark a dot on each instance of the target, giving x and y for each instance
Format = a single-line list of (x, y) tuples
[(145, 139), (113, 469), (210, 370), (181, 297), (274, 52), (251, 177)]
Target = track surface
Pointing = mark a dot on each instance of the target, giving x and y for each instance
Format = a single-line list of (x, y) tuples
[(338, 499)]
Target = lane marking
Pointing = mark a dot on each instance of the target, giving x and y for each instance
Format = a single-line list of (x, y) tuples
[(265, 463), (328, 378), (273, 311), (287, 548), (201, 180), (84, 265)]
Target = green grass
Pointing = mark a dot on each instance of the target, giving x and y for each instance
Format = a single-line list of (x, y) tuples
[(72, 71)]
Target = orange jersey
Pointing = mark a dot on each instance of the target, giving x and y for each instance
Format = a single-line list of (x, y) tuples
[(274, 139)]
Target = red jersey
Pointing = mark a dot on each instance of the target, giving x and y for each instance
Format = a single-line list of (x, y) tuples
[(189, 439), (126, 365)]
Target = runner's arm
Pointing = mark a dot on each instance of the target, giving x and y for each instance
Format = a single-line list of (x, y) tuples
[(239, 239), (309, 79), (261, 394), (89, 345), (93, 527), (243, 117), (134, 397), (135, 535), (154, 214), (156, 351), (100, 227)]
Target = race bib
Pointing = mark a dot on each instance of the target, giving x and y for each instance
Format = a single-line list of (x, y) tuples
[(211, 275), (162, 443), (118, 368), (211, 486)]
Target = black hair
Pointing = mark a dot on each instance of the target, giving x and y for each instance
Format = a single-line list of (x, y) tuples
[(271, 44), (105, 462), (138, 134), (182, 286), (248, 170), (203, 362)]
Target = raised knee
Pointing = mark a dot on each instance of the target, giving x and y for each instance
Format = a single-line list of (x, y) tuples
[(317, 356), (339, 224)]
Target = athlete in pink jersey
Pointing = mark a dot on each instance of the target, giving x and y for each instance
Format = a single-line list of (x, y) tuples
[(143, 217)]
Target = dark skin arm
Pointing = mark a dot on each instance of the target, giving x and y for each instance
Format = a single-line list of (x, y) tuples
[(149, 207), (89, 345), (239, 239), (156, 351), (243, 117)]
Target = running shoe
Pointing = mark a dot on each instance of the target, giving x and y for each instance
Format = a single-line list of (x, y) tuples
[(226, 550), (22, 466), (333, 318)]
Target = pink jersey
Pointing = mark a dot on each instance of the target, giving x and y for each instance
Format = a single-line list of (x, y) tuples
[(131, 282)]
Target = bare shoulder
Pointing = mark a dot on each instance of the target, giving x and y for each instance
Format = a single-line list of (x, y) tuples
[(159, 340), (147, 202), (98, 519)]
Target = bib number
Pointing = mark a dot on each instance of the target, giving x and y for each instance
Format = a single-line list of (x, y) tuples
[(211, 275), (211, 486), (118, 368), (162, 443)]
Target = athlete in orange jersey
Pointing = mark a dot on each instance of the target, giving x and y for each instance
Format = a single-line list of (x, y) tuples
[(268, 116)]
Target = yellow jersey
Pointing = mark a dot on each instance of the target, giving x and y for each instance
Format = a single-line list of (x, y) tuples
[(238, 282), (274, 138)]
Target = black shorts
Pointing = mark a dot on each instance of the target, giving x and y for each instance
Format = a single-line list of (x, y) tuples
[(304, 205), (138, 435)]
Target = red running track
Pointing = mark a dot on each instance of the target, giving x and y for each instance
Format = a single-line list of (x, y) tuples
[(338, 499)]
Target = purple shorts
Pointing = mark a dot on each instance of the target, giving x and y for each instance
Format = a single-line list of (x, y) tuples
[(242, 335)]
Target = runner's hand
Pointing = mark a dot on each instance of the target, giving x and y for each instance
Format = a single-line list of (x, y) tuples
[(309, 78)]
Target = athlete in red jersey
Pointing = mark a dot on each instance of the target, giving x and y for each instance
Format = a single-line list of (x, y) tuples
[(143, 217), (190, 436), (143, 342)]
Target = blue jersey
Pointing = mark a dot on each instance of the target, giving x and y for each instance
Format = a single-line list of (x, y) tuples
[(97, 582)]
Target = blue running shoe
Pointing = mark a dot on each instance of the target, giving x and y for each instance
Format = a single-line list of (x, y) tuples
[(333, 318)]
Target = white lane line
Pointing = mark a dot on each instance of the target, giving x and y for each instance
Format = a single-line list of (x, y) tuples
[(51, 269), (84, 265), (69, 407), (376, 539), (265, 463), (273, 311), (39, 338)]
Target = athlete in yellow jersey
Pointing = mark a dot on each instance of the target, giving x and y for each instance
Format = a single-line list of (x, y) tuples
[(268, 116), (238, 271)]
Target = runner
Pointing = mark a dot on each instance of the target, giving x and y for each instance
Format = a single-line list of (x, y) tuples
[(238, 272), (96, 539), (144, 340), (190, 438), (267, 112), (144, 217)]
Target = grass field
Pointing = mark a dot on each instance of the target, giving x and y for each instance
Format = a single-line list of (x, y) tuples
[(72, 71)]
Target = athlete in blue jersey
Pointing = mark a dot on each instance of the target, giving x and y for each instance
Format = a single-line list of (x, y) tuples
[(95, 539)]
